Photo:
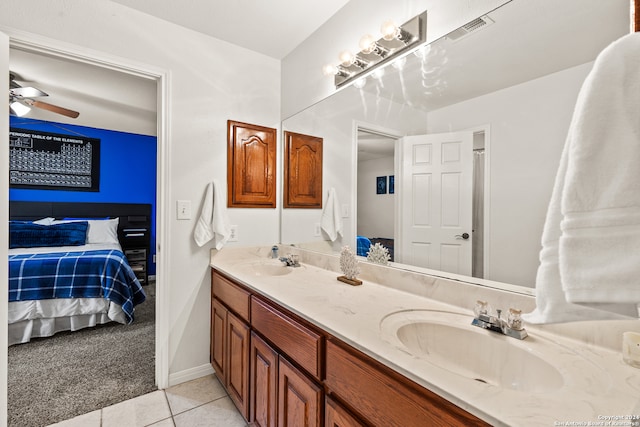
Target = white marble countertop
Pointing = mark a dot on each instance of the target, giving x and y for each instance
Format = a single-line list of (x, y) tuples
[(596, 385)]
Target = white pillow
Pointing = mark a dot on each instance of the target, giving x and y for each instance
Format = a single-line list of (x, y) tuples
[(103, 231), (44, 221), (99, 230)]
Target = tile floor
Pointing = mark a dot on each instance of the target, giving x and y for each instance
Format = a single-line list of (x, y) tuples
[(201, 402)]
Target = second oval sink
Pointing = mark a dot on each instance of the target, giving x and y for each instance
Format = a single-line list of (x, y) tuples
[(447, 340)]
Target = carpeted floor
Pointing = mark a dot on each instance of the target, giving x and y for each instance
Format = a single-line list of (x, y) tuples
[(72, 373)]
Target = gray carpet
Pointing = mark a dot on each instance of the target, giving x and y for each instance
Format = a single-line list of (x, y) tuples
[(72, 373)]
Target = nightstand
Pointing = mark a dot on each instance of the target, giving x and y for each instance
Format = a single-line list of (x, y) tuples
[(135, 244)]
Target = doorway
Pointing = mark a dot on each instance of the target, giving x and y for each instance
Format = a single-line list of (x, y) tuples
[(162, 178), (375, 201)]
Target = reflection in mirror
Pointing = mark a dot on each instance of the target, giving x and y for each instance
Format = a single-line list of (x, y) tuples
[(496, 99)]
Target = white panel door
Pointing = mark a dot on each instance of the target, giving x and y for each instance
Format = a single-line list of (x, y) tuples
[(436, 187)]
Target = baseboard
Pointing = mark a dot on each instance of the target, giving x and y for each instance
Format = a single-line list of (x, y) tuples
[(190, 374)]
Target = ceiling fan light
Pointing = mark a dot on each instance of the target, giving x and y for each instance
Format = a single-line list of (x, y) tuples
[(19, 109), (27, 92)]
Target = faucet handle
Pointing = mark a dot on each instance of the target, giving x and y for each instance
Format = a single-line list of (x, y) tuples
[(514, 319)]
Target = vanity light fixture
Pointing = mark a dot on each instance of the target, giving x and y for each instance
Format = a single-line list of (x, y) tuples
[(390, 31), (335, 70), (370, 45), (374, 53)]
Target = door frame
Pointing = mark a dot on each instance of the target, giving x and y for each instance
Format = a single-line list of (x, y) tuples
[(383, 131), (45, 46)]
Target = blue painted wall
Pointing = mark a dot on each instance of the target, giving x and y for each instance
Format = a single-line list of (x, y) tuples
[(127, 170)]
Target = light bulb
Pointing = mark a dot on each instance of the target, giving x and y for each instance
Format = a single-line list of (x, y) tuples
[(398, 64), (360, 82), (389, 30), (378, 73), (329, 70), (367, 43), (346, 58)]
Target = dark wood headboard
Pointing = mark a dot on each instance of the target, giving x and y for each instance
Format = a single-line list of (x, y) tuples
[(134, 224), (132, 215)]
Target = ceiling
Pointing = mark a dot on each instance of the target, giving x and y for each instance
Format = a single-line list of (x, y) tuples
[(97, 93), (273, 28)]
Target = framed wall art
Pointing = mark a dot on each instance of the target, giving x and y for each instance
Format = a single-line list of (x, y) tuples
[(381, 185), (52, 161)]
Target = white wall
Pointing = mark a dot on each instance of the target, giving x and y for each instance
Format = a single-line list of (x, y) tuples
[(375, 211), (303, 83), (528, 127), (210, 81), (334, 120)]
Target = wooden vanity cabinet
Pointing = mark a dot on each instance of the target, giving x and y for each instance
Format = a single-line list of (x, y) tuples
[(299, 398), (337, 416), (263, 382), (295, 350), (230, 339), (282, 371), (383, 397)]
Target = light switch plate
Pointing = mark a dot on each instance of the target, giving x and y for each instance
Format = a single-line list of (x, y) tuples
[(184, 209)]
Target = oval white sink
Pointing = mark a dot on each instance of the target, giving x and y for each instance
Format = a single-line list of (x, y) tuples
[(449, 341), (270, 269)]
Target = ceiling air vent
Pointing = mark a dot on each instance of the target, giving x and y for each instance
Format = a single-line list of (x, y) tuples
[(466, 29)]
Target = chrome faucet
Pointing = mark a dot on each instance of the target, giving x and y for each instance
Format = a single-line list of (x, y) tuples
[(291, 260), (511, 327), (274, 251)]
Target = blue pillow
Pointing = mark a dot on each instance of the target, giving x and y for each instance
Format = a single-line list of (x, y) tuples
[(29, 235)]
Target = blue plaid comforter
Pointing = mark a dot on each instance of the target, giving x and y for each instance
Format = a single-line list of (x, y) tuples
[(84, 274)]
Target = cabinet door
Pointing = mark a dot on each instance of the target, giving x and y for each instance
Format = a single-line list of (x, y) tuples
[(336, 416), (302, 171), (299, 399), (263, 383), (218, 336), (237, 369), (251, 166)]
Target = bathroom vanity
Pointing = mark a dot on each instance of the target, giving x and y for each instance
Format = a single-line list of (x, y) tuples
[(294, 346)]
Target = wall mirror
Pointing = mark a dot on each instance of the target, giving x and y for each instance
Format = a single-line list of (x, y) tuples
[(497, 93)]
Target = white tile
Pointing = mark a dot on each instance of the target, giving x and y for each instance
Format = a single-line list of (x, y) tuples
[(91, 419), (191, 394), (164, 423), (220, 413), (140, 411)]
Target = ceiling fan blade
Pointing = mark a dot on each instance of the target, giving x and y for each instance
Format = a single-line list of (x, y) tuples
[(53, 108), (27, 92)]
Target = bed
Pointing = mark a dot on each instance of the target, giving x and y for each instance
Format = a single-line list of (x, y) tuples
[(364, 243), (68, 272)]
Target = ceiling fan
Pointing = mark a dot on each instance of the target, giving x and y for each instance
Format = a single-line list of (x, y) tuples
[(21, 99)]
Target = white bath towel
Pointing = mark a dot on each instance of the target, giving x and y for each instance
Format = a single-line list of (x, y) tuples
[(213, 222), (590, 259), (331, 219)]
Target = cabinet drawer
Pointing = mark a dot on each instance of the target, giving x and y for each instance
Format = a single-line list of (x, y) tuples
[(138, 266), (292, 338), (236, 298), (136, 254), (385, 397)]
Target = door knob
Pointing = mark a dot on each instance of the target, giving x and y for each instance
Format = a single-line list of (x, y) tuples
[(464, 236)]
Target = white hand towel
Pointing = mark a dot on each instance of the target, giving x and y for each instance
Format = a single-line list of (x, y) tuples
[(213, 222), (590, 259), (331, 219)]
